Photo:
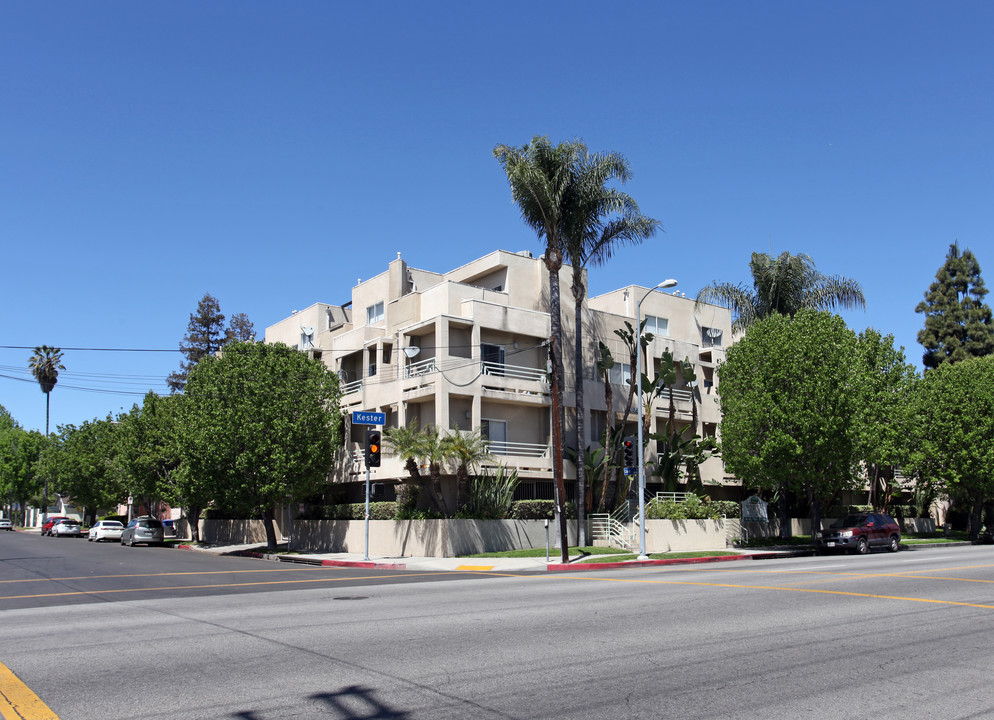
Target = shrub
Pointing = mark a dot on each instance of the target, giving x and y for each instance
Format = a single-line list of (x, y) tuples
[(538, 510), (693, 508), (356, 511), (490, 494)]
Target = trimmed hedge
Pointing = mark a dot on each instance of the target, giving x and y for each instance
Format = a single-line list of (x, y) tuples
[(355, 511), (538, 510)]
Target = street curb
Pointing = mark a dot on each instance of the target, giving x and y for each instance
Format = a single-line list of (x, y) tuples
[(559, 567)]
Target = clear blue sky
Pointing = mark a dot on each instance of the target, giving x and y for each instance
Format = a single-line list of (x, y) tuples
[(271, 153)]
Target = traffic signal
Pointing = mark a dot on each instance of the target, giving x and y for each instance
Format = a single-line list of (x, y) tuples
[(372, 448), (629, 444)]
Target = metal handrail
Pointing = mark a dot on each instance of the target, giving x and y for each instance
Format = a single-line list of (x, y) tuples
[(517, 372), (499, 447), (674, 496), (604, 526), (420, 368), (349, 388)]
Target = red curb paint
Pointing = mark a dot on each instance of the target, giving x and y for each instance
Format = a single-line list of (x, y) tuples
[(363, 564)]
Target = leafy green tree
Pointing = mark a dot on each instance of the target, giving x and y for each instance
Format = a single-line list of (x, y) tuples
[(884, 419), (19, 478), (788, 397), (604, 220), (45, 365), (958, 324), (954, 408), (783, 285), (83, 467), (150, 452), (262, 420)]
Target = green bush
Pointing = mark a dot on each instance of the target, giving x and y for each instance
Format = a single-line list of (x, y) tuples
[(693, 508), (409, 513), (538, 510), (356, 511), (490, 494)]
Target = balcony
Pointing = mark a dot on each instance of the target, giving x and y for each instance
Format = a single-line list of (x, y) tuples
[(517, 372), (420, 368), (502, 447)]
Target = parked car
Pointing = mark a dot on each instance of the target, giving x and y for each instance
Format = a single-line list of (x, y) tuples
[(66, 528), (46, 528), (6, 524), (105, 530), (145, 530), (860, 532)]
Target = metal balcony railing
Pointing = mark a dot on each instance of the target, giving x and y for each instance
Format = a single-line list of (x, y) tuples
[(513, 371), (420, 368), (352, 387), (501, 447)]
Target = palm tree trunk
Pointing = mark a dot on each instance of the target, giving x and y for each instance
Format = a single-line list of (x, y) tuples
[(553, 262), (581, 455), (44, 494)]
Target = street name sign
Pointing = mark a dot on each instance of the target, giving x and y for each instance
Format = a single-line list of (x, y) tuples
[(369, 418)]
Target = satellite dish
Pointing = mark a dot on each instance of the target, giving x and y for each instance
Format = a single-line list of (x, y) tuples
[(307, 330), (412, 351)]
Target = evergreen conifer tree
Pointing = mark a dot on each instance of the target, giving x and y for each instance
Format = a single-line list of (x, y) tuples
[(205, 335), (958, 324)]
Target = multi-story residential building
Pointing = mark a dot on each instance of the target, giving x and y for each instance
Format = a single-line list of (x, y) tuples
[(468, 349)]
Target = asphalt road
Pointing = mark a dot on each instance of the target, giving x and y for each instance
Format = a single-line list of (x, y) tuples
[(885, 635)]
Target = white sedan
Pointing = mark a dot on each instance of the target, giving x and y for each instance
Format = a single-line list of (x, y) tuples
[(105, 530)]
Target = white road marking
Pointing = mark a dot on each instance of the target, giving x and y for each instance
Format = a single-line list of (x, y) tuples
[(930, 557)]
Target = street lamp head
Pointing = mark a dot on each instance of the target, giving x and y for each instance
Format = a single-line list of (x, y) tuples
[(666, 284)]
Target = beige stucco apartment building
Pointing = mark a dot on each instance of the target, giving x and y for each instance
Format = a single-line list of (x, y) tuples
[(468, 349)]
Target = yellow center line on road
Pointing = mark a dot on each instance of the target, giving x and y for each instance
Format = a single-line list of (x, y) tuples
[(18, 702), (777, 589), (302, 568), (112, 591)]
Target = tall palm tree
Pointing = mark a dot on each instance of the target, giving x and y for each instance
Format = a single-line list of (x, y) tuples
[(45, 365), (590, 239), (782, 286), (544, 185)]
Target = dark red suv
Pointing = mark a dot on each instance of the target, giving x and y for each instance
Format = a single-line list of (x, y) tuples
[(860, 532), (46, 528)]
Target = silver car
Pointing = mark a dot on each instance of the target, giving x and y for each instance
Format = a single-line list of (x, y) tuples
[(66, 528), (105, 530), (144, 530), (6, 524)]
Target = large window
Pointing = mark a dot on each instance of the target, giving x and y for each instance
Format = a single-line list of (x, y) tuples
[(621, 374), (374, 313), (657, 326)]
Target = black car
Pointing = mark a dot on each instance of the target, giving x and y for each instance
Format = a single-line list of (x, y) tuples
[(860, 532), (143, 530)]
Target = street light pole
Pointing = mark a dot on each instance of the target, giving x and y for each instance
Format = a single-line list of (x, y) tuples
[(638, 393)]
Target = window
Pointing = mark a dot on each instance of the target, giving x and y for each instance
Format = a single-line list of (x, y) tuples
[(621, 374), (657, 325), (374, 313), (598, 423), (710, 337)]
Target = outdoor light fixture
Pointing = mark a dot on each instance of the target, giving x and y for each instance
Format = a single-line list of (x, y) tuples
[(638, 392)]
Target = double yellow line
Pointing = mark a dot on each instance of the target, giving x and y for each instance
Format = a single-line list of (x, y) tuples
[(17, 702)]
